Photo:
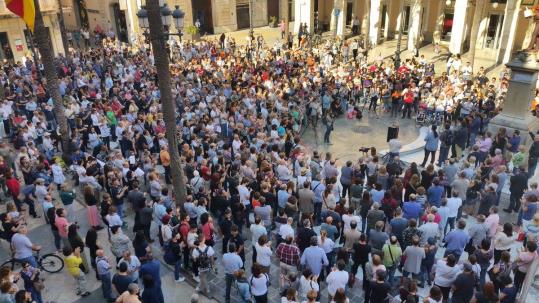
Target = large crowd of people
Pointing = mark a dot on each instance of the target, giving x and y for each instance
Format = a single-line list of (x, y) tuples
[(255, 187)]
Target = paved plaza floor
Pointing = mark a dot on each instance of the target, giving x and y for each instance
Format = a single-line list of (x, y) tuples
[(347, 138)]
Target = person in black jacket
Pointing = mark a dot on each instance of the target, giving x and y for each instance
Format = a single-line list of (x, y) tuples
[(304, 235), (533, 155), (519, 183)]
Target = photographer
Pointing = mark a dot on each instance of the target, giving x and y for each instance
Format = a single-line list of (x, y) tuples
[(32, 283)]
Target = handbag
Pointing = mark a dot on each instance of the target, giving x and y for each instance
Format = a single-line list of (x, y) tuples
[(38, 285), (469, 248)]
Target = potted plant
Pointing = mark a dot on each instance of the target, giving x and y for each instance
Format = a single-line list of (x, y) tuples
[(272, 21), (193, 32)]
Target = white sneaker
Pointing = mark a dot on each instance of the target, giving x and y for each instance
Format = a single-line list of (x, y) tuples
[(197, 279), (180, 279), (197, 289)]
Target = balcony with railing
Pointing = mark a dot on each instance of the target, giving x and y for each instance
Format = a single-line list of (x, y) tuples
[(46, 6)]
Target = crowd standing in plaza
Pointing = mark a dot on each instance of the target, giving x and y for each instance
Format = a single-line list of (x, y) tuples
[(252, 183)]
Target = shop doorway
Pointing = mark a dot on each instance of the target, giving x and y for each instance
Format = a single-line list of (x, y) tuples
[(242, 14), (447, 26), (120, 23), (493, 33), (5, 49), (202, 11)]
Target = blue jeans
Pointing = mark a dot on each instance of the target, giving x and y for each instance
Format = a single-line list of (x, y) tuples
[(36, 295), (391, 274), (106, 286), (120, 208), (442, 156), (426, 268), (31, 260), (450, 223), (57, 240), (177, 267), (229, 279)]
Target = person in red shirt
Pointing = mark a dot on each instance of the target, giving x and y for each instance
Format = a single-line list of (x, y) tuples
[(14, 188), (433, 210)]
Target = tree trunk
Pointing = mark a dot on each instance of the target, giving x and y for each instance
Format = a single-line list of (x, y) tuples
[(47, 58), (478, 16), (168, 105), (63, 30)]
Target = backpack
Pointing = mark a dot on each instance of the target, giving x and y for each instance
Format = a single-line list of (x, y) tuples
[(203, 259), (169, 256)]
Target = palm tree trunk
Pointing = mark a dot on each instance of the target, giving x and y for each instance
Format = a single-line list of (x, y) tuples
[(169, 107), (478, 16), (63, 31), (47, 58)]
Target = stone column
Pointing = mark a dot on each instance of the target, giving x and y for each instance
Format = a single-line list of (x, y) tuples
[(414, 30), (394, 12), (509, 29), (338, 18), (458, 32), (365, 27), (437, 33), (521, 91), (304, 14), (374, 22)]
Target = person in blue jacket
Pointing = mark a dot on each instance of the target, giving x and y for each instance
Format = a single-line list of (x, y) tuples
[(431, 145)]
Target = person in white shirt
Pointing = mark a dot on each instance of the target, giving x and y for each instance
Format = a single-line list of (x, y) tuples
[(337, 278), (286, 229), (263, 253), (349, 217), (259, 284), (200, 249), (308, 285), (428, 230), (453, 204), (492, 222), (244, 192)]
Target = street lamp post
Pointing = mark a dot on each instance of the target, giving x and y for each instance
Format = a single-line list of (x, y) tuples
[(251, 30), (399, 38), (177, 16), (157, 20)]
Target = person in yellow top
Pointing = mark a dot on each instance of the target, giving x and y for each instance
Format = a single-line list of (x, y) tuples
[(73, 262), (164, 156)]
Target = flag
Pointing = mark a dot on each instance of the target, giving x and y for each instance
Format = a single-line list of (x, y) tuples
[(24, 9)]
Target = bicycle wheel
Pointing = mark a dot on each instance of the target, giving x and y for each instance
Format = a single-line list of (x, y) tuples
[(51, 263), (10, 264)]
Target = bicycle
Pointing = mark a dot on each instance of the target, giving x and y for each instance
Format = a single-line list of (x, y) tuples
[(50, 263)]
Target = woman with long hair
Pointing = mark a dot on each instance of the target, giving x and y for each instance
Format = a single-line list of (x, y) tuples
[(91, 242), (76, 241), (365, 206), (487, 295), (91, 202), (503, 241), (411, 186), (328, 198), (500, 270)]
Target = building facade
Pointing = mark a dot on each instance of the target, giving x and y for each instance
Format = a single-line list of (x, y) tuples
[(215, 16), (502, 28), (16, 39)]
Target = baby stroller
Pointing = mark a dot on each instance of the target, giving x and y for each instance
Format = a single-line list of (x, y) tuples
[(421, 117)]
